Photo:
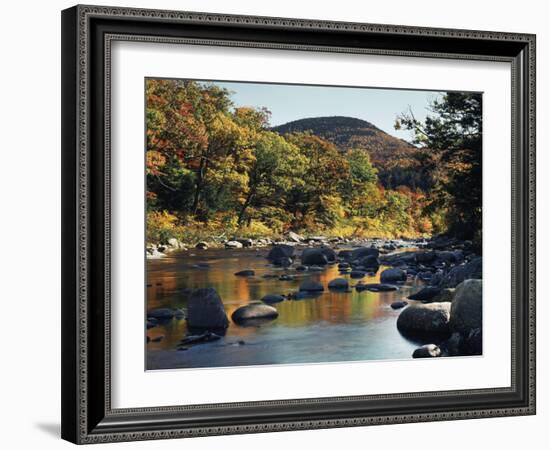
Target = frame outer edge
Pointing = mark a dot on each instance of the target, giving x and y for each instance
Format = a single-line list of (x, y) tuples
[(75, 209), (69, 236)]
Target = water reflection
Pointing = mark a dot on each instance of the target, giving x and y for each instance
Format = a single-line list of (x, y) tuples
[(336, 326)]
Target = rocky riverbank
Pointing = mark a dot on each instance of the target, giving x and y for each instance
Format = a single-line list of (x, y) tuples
[(158, 250), (444, 311)]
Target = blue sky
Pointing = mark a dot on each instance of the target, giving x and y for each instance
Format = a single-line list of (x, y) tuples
[(291, 102)]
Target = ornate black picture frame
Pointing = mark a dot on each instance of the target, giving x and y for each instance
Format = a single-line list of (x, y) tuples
[(87, 34)]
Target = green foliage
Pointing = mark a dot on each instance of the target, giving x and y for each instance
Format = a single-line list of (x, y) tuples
[(452, 138), (215, 171), (393, 157)]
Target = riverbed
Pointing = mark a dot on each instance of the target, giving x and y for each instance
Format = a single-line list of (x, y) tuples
[(333, 327)]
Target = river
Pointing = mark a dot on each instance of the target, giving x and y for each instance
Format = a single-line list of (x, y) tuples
[(334, 327)]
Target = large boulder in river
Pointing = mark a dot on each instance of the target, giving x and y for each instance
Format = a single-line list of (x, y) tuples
[(450, 257), (369, 262), (344, 254), (393, 275), (311, 286), (329, 253), (466, 307), (425, 319), (314, 257), (470, 270), (254, 311), (205, 310), (338, 284), (426, 257), (425, 294), (361, 252), (280, 253), (445, 295), (470, 344)]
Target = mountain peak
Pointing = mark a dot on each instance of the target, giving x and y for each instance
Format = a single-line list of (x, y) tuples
[(325, 121), (352, 133)]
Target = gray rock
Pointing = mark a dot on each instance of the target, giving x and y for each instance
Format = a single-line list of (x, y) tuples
[(314, 256), (425, 319), (283, 262), (180, 313), (427, 351), (470, 270), (425, 276), (450, 257), (345, 254), (246, 242), (272, 298), (286, 277), (398, 259), (301, 295), (294, 237), (233, 244), (376, 287), (466, 307), (399, 304), (279, 252), (361, 252), (370, 262), (245, 273), (454, 344), (393, 275), (425, 257), (173, 242), (254, 311), (338, 283), (435, 279), (329, 253), (205, 310), (473, 343), (445, 295), (427, 293), (356, 274), (161, 314), (311, 286), (465, 345)]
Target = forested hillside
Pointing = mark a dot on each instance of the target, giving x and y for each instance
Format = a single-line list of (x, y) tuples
[(218, 169), (395, 159)]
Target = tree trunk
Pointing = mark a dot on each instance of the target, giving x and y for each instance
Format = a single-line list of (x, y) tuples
[(198, 186), (246, 204)]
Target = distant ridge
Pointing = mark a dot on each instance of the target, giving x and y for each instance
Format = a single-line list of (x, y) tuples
[(349, 132), (392, 156)]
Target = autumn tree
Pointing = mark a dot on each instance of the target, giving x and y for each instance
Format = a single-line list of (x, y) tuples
[(452, 134)]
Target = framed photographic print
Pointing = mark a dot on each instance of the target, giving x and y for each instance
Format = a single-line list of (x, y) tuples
[(256, 207)]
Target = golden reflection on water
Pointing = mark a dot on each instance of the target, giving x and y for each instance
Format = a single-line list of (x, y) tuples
[(168, 277)]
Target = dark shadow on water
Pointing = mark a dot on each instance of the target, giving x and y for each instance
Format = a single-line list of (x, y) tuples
[(253, 323), (423, 339), (53, 429)]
